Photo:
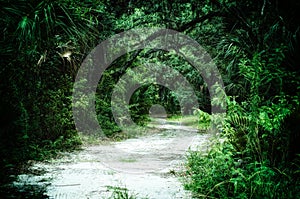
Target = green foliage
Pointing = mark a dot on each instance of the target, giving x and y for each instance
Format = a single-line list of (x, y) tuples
[(251, 161), (35, 23), (121, 193), (222, 174), (41, 47), (256, 157), (204, 119), (253, 44)]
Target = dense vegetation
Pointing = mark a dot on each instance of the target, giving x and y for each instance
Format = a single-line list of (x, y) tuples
[(254, 44)]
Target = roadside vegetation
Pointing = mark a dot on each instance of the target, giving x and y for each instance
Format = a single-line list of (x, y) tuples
[(199, 120), (255, 46)]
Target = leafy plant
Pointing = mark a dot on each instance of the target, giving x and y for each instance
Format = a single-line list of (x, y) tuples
[(121, 193), (204, 119)]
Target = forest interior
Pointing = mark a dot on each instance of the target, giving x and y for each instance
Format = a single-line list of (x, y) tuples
[(247, 92)]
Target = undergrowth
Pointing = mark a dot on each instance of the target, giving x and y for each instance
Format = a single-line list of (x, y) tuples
[(254, 159)]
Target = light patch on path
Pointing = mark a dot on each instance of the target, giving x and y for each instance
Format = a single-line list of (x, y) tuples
[(142, 165)]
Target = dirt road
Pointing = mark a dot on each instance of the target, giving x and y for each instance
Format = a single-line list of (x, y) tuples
[(145, 166)]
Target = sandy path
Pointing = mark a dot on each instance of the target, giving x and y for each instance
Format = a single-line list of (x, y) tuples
[(143, 165)]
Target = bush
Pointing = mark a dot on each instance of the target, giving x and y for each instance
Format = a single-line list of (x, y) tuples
[(222, 174), (252, 160)]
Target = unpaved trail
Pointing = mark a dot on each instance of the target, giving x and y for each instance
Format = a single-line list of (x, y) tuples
[(144, 165)]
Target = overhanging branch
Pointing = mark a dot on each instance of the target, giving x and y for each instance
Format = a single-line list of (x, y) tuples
[(201, 19)]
